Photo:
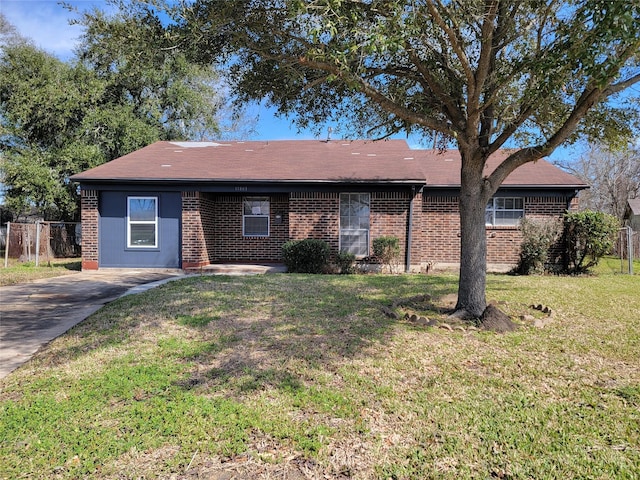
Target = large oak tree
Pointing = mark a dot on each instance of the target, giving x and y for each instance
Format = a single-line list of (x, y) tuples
[(125, 89), (482, 74)]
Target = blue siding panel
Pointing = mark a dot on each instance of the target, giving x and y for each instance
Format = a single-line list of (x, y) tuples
[(113, 232)]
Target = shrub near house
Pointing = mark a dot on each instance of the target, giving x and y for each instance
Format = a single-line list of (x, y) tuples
[(588, 237), (306, 256)]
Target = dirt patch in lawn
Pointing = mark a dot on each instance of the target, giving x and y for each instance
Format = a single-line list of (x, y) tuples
[(496, 320)]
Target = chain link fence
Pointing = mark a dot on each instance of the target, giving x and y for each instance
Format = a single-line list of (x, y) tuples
[(627, 248), (40, 241)]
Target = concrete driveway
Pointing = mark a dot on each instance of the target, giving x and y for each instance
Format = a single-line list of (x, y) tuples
[(32, 314)]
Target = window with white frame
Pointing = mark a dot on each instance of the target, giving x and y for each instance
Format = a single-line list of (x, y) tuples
[(504, 211), (354, 223), (255, 217), (142, 222)]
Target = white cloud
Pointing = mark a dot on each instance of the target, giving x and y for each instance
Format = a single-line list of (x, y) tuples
[(46, 23)]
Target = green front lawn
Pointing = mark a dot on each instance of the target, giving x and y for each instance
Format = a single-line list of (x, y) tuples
[(298, 376), (17, 272)]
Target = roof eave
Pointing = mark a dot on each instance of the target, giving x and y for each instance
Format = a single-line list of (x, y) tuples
[(515, 185), (166, 181)]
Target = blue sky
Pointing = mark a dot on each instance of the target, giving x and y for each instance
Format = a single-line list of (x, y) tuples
[(46, 23)]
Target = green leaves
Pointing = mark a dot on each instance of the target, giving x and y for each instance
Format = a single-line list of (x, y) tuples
[(129, 87), (482, 72), (588, 237)]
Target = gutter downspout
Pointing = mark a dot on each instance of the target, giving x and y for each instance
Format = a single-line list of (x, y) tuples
[(407, 268)]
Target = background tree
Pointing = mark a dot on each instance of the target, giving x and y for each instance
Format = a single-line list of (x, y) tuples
[(480, 73), (144, 70), (614, 176), (42, 106), (124, 90)]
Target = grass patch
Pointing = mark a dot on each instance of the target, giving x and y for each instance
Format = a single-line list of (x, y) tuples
[(27, 271), (292, 375), (613, 265)]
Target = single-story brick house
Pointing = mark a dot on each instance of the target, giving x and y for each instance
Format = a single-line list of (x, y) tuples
[(190, 204)]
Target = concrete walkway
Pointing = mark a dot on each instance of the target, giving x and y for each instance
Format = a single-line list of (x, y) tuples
[(32, 314), (238, 269)]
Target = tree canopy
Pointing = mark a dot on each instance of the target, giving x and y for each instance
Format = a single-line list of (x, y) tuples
[(123, 91), (482, 74)]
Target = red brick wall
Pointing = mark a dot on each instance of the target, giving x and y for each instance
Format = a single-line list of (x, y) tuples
[(545, 208), (90, 218), (208, 219), (388, 217), (224, 231), (194, 246), (315, 215), (212, 226), (436, 233)]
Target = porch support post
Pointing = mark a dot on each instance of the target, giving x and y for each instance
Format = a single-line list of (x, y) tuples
[(194, 245), (89, 232), (412, 194)]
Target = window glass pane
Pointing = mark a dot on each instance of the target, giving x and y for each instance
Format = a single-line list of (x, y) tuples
[(142, 209), (347, 222), (504, 211), (488, 217), (508, 217), (354, 223), (142, 221), (356, 243), (143, 235), (256, 206), (363, 204), (255, 216), (256, 226)]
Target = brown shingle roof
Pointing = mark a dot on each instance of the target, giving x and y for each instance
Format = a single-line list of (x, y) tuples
[(306, 161)]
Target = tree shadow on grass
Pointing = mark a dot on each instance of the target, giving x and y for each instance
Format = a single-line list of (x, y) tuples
[(242, 334), (287, 326), (275, 349)]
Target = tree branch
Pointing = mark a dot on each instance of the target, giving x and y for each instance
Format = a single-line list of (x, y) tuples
[(452, 110), (374, 94), (618, 87), (455, 44), (588, 98), (487, 54)]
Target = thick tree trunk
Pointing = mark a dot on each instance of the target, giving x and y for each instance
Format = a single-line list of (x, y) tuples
[(473, 243)]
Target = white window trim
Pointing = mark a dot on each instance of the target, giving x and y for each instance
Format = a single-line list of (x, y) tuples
[(262, 215), (494, 210), (346, 231), (142, 222)]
